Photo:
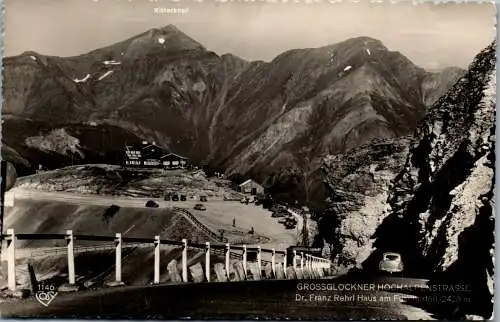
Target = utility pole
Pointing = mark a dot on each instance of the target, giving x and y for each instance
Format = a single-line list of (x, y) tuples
[(306, 161), (305, 230)]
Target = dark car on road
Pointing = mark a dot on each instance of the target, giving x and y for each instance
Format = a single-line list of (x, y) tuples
[(167, 197), (175, 198), (200, 207), (152, 204), (183, 198), (203, 198), (290, 222)]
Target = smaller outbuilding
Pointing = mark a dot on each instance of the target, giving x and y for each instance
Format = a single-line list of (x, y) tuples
[(251, 187)]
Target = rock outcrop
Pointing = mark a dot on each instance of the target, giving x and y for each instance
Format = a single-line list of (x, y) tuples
[(442, 219), (359, 183), (430, 198)]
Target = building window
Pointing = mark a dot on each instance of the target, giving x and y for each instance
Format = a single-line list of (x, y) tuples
[(175, 162)]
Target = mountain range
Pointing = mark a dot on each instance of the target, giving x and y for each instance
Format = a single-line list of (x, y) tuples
[(251, 119)]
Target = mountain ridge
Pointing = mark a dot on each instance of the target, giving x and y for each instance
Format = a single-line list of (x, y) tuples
[(224, 109)]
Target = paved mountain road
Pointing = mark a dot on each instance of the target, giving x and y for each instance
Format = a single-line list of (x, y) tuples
[(271, 299)]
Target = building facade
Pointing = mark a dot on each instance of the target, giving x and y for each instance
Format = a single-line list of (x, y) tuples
[(133, 155), (174, 161), (251, 187), (150, 155)]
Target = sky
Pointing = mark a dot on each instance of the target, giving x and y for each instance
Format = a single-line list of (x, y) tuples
[(432, 35)]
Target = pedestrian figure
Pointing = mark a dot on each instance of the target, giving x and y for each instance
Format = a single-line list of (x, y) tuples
[(234, 222)]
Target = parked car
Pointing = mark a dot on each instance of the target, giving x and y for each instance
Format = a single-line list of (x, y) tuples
[(391, 263), (274, 208), (290, 222), (183, 198), (244, 200), (175, 198), (200, 207), (203, 198), (278, 214), (152, 204), (167, 197)]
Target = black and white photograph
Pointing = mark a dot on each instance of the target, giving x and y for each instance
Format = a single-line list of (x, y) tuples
[(247, 160)]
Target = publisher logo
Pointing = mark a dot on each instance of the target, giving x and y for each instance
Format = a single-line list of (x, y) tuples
[(46, 294)]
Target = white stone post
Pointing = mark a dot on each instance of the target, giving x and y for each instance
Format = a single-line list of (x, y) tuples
[(245, 259), (157, 261), (259, 258), (284, 263), (118, 265), (273, 262), (11, 259), (70, 240), (184, 260), (228, 257), (301, 260), (294, 259), (207, 261)]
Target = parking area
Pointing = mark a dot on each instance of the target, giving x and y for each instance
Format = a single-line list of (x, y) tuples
[(220, 215)]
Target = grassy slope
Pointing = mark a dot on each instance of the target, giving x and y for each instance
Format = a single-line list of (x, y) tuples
[(55, 217)]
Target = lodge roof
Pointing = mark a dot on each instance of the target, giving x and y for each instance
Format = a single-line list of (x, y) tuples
[(248, 181), (173, 154)]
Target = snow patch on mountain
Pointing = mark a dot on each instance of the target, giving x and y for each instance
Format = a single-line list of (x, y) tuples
[(109, 72), (111, 62), (83, 80), (199, 86)]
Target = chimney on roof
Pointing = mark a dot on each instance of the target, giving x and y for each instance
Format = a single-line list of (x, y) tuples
[(144, 142)]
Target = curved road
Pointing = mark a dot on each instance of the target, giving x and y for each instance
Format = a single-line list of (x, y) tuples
[(270, 299), (219, 214)]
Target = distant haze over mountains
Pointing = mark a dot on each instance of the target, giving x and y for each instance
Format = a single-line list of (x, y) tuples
[(249, 118), (430, 34)]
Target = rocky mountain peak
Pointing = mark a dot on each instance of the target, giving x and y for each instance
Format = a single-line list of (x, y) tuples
[(166, 87)]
